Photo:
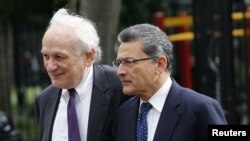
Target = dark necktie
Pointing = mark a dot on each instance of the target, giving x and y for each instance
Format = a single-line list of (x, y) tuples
[(73, 128), (142, 127)]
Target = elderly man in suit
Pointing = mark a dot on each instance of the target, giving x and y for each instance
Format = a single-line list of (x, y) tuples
[(81, 102), (161, 109)]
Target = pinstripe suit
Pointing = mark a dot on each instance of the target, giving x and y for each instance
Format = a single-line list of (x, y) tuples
[(106, 97)]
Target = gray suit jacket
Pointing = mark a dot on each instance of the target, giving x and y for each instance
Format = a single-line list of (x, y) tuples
[(106, 97), (185, 117)]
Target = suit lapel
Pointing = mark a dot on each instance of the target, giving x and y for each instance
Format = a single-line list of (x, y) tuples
[(50, 112), (99, 104), (170, 115), (131, 113)]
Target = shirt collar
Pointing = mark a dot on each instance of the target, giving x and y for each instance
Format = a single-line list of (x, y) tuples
[(85, 84)]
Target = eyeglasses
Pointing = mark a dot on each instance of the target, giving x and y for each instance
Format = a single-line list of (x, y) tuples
[(129, 61)]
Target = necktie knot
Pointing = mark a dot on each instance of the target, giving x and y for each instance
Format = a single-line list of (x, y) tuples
[(72, 92), (145, 107)]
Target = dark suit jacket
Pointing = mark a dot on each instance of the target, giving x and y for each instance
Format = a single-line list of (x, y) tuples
[(106, 97), (184, 117)]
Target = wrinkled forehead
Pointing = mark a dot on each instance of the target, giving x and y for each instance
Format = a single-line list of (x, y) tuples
[(59, 35)]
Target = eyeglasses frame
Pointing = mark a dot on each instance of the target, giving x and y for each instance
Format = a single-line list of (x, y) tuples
[(130, 63)]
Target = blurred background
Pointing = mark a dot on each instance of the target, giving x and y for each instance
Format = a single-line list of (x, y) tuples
[(211, 41)]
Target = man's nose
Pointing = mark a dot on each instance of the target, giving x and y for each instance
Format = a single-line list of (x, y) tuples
[(51, 65), (121, 70)]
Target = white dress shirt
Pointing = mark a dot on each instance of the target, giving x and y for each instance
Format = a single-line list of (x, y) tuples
[(83, 97), (157, 101)]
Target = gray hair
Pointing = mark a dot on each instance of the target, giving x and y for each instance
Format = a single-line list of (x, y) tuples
[(155, 41), (84, 29)]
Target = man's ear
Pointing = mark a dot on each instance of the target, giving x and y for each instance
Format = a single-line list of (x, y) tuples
[(161, 64), (89, 57)]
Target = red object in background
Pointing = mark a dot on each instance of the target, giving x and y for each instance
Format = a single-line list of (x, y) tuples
[(159, 20), (183, 50), (184, 58)]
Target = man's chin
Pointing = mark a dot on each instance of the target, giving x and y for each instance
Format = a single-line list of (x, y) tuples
[(128, 92), (58, 85)]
